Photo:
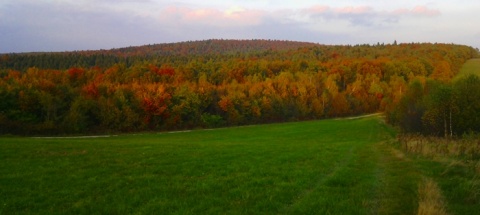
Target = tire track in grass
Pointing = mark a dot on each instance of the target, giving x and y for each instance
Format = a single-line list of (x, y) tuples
[(372, 178), (369, 179), (390, 181), (398, 177), (306, 194)]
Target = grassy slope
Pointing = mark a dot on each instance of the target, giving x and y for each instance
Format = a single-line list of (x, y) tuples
[(316, 167), (470, 67)]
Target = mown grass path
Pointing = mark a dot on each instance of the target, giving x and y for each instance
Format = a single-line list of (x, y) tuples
[(316, 167)]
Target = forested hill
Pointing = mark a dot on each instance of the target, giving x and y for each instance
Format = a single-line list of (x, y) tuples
[(106, 58), (212, 83), (207, 47)]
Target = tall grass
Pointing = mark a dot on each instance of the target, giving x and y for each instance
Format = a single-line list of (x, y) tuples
[(430, 197), (454, 164), (467, 148)]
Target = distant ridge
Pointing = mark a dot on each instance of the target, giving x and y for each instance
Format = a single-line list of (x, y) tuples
[(204, 49), (106, 58), (212, 46)]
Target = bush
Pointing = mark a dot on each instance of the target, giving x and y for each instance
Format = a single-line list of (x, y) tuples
[(212, 121)]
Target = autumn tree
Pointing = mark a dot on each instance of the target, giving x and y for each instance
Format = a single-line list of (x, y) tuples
[(227, 82)]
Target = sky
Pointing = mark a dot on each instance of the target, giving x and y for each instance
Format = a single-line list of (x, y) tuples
[(69, 25)]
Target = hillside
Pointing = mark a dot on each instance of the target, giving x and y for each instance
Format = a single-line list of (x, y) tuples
[(207, 47), (106, 58), (211, 84)]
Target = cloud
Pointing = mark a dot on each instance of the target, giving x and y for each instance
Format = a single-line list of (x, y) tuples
[(57, 25), (424, 11), (44, 26), (230, 17), (417, 11), (316, 9), (364, 15), (353, 10)]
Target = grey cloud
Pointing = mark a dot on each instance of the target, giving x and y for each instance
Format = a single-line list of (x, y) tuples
[(272, 29), (47, 27), (366, 16)]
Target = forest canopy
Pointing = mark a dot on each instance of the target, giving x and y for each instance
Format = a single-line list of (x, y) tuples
[(213, 83)]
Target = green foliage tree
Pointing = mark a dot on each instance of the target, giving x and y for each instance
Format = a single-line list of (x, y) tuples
[(411, 108), (467, 92), (440, 105)]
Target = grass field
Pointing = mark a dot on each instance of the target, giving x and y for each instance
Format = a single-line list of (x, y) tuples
[(470, 67), (344, 166)]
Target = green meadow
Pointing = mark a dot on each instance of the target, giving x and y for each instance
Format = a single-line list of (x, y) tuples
[(472, 66), (342, 166)]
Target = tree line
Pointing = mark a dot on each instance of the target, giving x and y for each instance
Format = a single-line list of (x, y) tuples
[(439, 108), (130, 55), (223, 88)]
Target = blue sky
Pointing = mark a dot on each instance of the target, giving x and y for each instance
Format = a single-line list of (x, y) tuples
[(67, 25)]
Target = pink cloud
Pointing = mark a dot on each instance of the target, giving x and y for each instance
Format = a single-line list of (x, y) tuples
[(322, 9), (242, 17), (400, 11), (354, 10), (422, 10), (418, 11), (317, 9), (235, 16), (200, 14)]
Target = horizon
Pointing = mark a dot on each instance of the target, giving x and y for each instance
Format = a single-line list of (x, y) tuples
[(63, 26)]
